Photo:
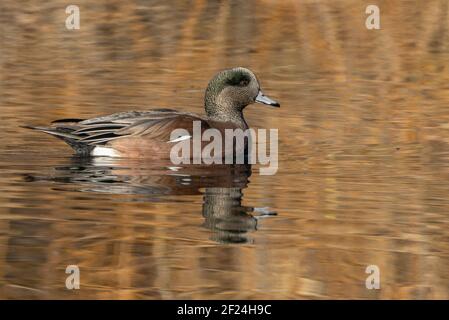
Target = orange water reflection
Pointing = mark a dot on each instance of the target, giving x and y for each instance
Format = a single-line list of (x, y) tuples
[(363, 163)]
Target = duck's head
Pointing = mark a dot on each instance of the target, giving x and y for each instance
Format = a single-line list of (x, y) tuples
[(230, 91)]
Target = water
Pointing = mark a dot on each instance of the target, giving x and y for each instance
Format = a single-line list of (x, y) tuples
[(363, 152)]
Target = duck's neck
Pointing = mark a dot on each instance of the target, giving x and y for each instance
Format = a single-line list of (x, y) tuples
[(226, 114)]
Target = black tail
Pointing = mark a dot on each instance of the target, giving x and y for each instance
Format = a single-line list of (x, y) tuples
[(65, 133)]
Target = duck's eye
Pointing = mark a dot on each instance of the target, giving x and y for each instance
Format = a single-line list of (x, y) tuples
[(239, 80)]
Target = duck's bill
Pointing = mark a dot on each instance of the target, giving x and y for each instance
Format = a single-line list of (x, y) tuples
[(261, 98)]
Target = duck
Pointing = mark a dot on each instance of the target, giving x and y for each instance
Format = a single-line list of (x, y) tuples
[(147, 134)]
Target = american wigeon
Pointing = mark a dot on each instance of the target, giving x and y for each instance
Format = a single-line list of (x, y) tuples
[(145, 134)]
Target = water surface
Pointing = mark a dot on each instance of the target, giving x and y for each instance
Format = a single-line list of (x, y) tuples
[(363, 152)]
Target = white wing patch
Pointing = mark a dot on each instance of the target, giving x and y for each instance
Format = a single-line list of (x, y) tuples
[(100, 151), (181, 138)]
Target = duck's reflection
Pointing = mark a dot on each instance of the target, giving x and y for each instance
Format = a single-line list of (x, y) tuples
[(220, 185), (225, 215)]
